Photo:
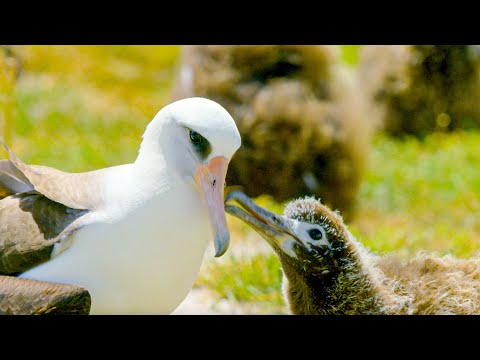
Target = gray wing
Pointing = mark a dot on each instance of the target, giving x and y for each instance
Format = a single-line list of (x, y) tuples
[(31, 297), (30, 225), (75, 190), (39, 207)]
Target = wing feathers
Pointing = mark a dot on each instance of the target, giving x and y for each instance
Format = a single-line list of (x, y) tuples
[(75, 190), (30, 297), (30, 225), (12, 180)]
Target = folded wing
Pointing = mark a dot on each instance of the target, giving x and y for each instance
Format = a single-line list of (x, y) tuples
[(39, 207)]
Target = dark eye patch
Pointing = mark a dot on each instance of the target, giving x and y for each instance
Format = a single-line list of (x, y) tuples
[(200, 144)]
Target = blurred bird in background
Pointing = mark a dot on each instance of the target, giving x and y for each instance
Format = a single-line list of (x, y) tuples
[(303, 130), (417, 89)]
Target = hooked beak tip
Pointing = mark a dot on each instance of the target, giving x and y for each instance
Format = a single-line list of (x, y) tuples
[(221, 242)]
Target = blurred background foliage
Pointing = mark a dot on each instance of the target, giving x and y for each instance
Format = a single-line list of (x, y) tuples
[(79, 108)]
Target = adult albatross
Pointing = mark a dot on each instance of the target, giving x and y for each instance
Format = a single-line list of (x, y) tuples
[(133, 235)]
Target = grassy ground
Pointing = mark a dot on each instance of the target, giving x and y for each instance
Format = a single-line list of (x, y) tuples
[(415, 194), (69, 97)]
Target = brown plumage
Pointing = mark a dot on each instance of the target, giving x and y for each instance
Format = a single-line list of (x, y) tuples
[(37, 211), (417, 89), (327, 271), (303, 131), (30, 297), (31, 226)]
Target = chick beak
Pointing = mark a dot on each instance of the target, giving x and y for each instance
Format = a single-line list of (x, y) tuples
[(274, 228)]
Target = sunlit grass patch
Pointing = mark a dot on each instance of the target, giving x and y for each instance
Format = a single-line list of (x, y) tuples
[(79, 108), (422, 194), (7, 86), (73, 128), (350, 54), (140, 75), (253, 279)]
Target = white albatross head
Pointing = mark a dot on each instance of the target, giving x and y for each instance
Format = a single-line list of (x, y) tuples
[(195, 138)]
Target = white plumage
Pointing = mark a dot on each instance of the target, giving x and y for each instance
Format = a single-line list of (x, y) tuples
[(140, 249)]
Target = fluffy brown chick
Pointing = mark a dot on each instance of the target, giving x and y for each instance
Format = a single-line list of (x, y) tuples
[(303, 130), (326, 271), (417, 89)]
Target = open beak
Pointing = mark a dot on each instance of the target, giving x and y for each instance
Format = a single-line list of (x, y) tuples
[(276, 229), (210, 181)]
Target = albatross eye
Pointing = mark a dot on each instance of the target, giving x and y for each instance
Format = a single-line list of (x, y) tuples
[(196, 137), (200, 144), (315, 234)]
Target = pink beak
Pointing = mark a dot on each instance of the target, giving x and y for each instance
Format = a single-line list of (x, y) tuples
[(210, 182)]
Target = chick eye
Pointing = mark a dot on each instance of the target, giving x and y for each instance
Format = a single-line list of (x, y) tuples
[(315, 234), (195, 137)]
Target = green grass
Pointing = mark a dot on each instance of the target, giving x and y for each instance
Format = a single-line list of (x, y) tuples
[(422, 194), (65, 127), (253, 279), (350, 54), (69, 97)]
